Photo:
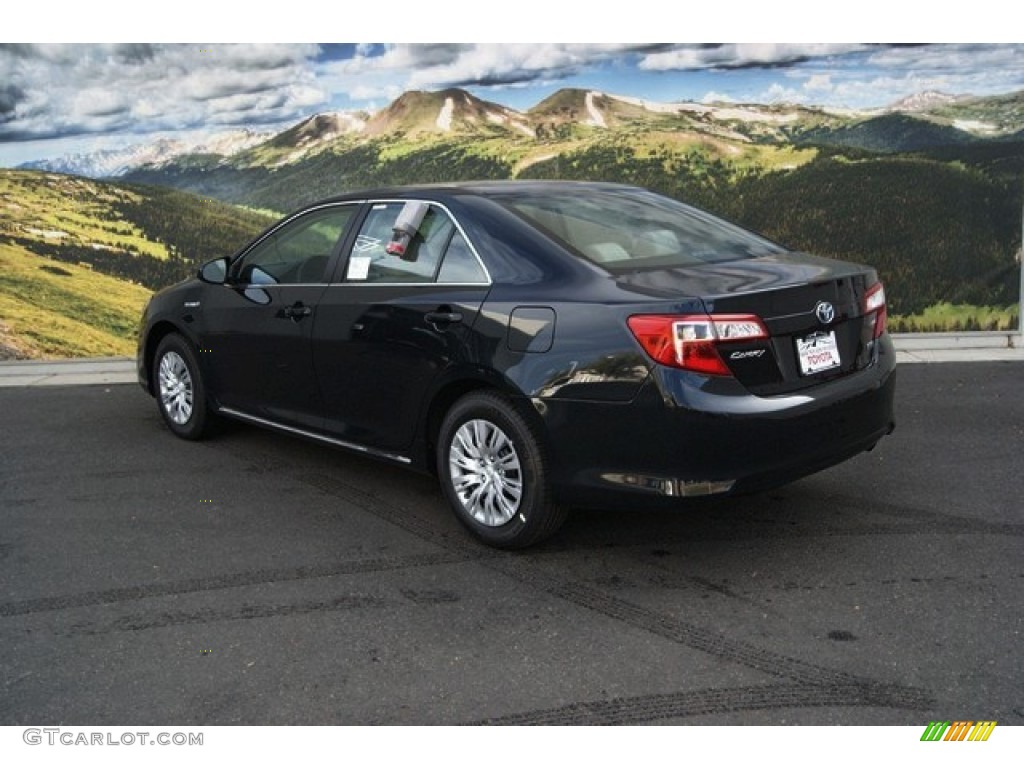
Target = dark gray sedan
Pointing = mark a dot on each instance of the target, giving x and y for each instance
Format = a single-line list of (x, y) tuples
[(537, 345)]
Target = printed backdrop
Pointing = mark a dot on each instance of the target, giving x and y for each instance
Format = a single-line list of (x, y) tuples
[(124, 166)]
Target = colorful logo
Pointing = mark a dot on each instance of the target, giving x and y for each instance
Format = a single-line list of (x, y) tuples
[(961, 730)]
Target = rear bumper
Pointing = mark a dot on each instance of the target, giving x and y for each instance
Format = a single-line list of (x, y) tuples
[(686, 435)]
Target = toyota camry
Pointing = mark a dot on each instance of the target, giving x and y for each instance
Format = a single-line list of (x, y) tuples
[(536, 345)]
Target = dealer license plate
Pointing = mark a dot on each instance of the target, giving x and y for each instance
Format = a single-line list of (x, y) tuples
[(817, 352)]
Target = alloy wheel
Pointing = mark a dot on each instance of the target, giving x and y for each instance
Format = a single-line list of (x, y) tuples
[(485, 472), (176, 388)]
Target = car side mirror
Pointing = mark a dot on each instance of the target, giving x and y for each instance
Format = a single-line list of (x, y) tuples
[(215, 272)]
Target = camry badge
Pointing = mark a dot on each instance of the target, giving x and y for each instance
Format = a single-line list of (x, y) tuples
[(825, 312)]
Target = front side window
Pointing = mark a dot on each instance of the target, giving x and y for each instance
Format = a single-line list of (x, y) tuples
[(297, 252)]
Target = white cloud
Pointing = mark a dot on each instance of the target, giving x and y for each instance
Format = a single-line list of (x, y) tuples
[(737, 55), (442, 65), (949, 58), (820, 83), (778, 93), (72, 89), (886, 75), (364, 92), (715, 96)]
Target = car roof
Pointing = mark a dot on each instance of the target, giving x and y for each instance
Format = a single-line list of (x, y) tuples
[(474, 188)]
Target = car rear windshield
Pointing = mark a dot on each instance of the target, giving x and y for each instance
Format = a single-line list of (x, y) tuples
[(628, 229)]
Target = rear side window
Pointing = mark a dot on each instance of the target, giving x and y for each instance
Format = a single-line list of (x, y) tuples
[(437, 251), (627, 229), (460, 265)]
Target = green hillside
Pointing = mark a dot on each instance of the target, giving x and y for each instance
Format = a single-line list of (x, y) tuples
[(940, 226), (54, 309), (936, 232), (888, 134), (80, 257), (1001, 114)]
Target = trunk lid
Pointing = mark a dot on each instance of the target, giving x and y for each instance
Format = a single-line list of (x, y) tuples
[(804, 301)]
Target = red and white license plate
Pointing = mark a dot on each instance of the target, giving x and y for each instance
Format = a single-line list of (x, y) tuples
[(817, 352)]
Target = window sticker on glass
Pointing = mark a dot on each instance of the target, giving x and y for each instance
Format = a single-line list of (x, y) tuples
[(367, 243), (358, 268)]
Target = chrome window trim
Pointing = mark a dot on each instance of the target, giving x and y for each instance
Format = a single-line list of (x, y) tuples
[(458, 226), (411, 284), (268, 286)]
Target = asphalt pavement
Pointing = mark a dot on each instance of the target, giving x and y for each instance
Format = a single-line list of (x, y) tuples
[(259, 579)]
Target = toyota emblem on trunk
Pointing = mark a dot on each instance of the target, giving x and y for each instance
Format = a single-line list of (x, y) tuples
[(826, 312)]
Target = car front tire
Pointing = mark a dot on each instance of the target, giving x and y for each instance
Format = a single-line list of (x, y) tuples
[(180, 393), (493, 470)]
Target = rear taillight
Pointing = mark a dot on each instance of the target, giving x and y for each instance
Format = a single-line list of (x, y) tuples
[(874, 301), (691, 341)]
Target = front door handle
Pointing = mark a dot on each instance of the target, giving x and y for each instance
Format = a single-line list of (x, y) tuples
[(296, 311)]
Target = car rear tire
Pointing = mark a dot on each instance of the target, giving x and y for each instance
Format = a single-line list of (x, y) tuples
[(180, 393), (494, 472)]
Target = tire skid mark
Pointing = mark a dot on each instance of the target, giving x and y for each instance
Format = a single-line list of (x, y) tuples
[(227, 581), (405, 519), (713, 531), (936, 522), (902, 529), (521, 570), (156, 620), (956, 580), (681, 632), (814, 685), (712, 701)]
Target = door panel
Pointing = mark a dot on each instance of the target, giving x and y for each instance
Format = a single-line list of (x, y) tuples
[(258, 326), (376, 355), (260, 358)]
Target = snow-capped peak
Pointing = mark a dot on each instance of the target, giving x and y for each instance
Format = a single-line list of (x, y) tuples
[(105, 163), (923, 102)]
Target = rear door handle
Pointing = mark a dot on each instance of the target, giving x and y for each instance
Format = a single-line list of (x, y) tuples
[(442, 317)]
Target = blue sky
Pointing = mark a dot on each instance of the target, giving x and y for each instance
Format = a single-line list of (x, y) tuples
[(56, 99)]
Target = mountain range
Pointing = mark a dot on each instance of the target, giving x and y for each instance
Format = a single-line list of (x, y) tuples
[(919, 121), (111, 163)]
